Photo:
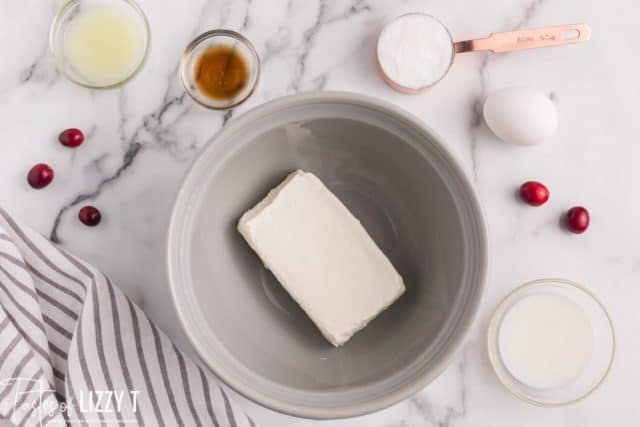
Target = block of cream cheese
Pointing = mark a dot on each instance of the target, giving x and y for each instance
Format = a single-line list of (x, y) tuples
[(322, 255)]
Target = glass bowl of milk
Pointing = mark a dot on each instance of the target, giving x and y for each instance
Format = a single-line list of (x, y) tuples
[(100, 44), (551, 342)]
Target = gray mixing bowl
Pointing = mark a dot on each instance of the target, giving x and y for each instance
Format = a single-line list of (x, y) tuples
[(393, 174)]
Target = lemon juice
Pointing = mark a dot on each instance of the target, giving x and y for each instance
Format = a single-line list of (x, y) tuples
[(105, 44)]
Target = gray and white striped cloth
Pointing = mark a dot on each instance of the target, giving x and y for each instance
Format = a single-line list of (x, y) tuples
[(74, 350)]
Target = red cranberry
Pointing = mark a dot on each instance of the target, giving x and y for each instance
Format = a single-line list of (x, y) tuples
[(578, 219), (534, 193), (40, 175), (71, 137), (90, 215)]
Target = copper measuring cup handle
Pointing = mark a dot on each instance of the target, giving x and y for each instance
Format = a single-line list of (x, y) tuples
[(527, 39)]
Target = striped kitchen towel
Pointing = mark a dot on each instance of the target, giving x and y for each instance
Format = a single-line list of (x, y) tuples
[(74, 350)]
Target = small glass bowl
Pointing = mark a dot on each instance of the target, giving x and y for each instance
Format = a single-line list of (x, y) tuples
[(67, 12), (596, 369), (215, 38)]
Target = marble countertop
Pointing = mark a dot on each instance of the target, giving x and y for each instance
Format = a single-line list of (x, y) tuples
[(144, 136)]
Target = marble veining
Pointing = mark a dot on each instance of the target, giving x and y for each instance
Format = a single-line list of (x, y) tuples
[(142, 138)]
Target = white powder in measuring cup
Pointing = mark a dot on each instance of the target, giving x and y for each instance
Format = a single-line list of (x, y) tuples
[(415, 50)]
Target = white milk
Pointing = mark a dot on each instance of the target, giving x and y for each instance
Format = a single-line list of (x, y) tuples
[(545, 340), (105, 44)]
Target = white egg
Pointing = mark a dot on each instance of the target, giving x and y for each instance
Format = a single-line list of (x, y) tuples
[(521, 116)]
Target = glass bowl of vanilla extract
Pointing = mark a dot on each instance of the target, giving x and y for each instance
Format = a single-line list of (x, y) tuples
[(220, 69)]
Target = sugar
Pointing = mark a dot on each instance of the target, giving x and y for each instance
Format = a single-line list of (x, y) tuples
[(415, 51)]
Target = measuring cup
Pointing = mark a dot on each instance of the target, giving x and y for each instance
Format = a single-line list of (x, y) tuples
[(496, 42)]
